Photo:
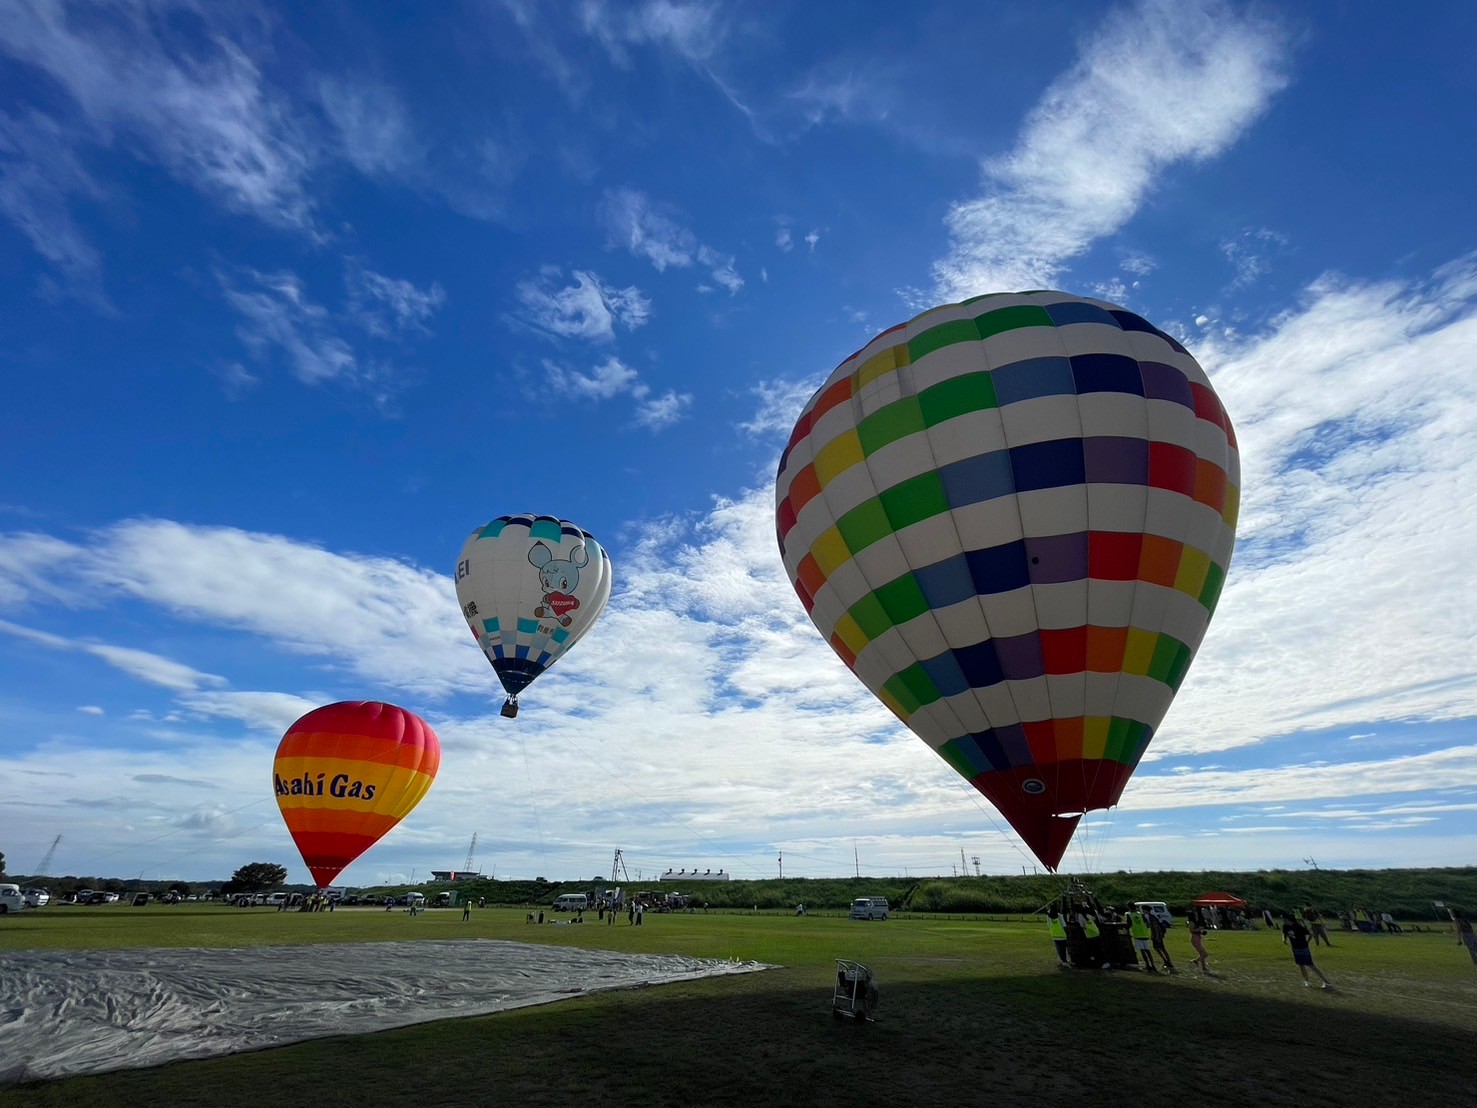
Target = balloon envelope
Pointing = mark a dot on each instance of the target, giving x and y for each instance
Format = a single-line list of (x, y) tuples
[(1012, 518), (530, 587), (346, 773)]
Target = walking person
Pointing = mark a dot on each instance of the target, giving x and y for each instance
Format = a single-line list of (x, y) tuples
[(1157, 930), (1296, 935), (466, 911), (1196, 923), (1314, 919)]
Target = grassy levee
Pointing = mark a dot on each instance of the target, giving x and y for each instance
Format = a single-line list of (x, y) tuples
[(971, 1011)]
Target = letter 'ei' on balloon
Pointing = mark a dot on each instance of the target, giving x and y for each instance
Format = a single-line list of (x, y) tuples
[(346, 773), (1012, 518), (530, 587)]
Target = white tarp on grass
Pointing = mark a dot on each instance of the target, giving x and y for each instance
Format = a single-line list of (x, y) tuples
[(68, 1012)]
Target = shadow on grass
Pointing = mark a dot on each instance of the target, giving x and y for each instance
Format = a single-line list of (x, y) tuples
[(770, 1038)]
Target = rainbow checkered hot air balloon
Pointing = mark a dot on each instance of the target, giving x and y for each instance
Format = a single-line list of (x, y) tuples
[(1012, 518), (346, 773)]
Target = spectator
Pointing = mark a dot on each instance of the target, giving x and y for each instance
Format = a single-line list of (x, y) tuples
[(1297, 936)]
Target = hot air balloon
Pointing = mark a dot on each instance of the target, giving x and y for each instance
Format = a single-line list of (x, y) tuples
[(345, 774), (530, 587), (1012, 518)]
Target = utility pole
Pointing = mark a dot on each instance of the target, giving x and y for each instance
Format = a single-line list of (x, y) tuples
[(471, 854), (782, 865), (976, 859), (855, 859)]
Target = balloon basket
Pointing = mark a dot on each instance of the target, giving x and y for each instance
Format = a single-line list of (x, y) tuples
[(856, 992), (510, 709)]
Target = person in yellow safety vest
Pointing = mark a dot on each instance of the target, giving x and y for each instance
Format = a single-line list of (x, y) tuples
[(1088, 922), (1138, 927), (1058, 931)]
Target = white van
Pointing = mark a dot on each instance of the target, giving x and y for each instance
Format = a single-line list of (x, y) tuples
[(571, 902), (1156, 908), (11, 899), (869, 907)]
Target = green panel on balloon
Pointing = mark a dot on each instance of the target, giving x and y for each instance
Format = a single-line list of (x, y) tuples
[(1012, 319), (915, 500), (864, 525), (870, 616), (1210, 592), (970, 392), (902, 599), (897, 688), (945, 334), (895, 421)]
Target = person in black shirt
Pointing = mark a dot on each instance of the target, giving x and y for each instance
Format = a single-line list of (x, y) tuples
[(1297, 936)]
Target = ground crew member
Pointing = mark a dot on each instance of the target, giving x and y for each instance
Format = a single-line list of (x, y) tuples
[(1058, 931), (1138, 927)]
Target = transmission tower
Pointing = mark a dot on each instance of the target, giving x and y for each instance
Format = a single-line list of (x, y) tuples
[(46, 861), (471, 854), (618, 868)]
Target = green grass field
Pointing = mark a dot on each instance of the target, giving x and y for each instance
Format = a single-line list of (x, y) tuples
[(971, 1011)]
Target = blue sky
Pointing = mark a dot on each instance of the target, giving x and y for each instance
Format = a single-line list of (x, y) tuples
[(296, 296)]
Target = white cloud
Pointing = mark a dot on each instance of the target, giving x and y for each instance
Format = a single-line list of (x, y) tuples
[(276, 314), (634, 223), (784, 239), (780, 402), (39, 176), (657, 411), (1358, 517), (377, 134), (1159, 83), (142, 665), (1250, 254), (90, 710), (205, 115), (588, 309), (32, 567), (612, 378), (691, 30), (387, 306)]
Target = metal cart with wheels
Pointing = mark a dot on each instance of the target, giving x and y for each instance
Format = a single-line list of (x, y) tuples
[(856, 992)]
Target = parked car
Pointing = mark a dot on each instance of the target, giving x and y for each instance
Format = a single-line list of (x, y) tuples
[(11, 899), (36, 898), (869, 907)]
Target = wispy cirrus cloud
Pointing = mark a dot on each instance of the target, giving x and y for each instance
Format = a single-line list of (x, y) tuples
[(588, 309), (40, 175), (636, 224), (276, 314), (391, 306), (196, 105), (612, 378), (1159, 83), (278, 318), (141, 664)]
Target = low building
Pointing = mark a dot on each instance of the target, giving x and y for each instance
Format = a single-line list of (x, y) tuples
[(694, 875)]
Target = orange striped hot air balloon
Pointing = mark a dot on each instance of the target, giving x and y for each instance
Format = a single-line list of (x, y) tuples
[(346, 773)]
